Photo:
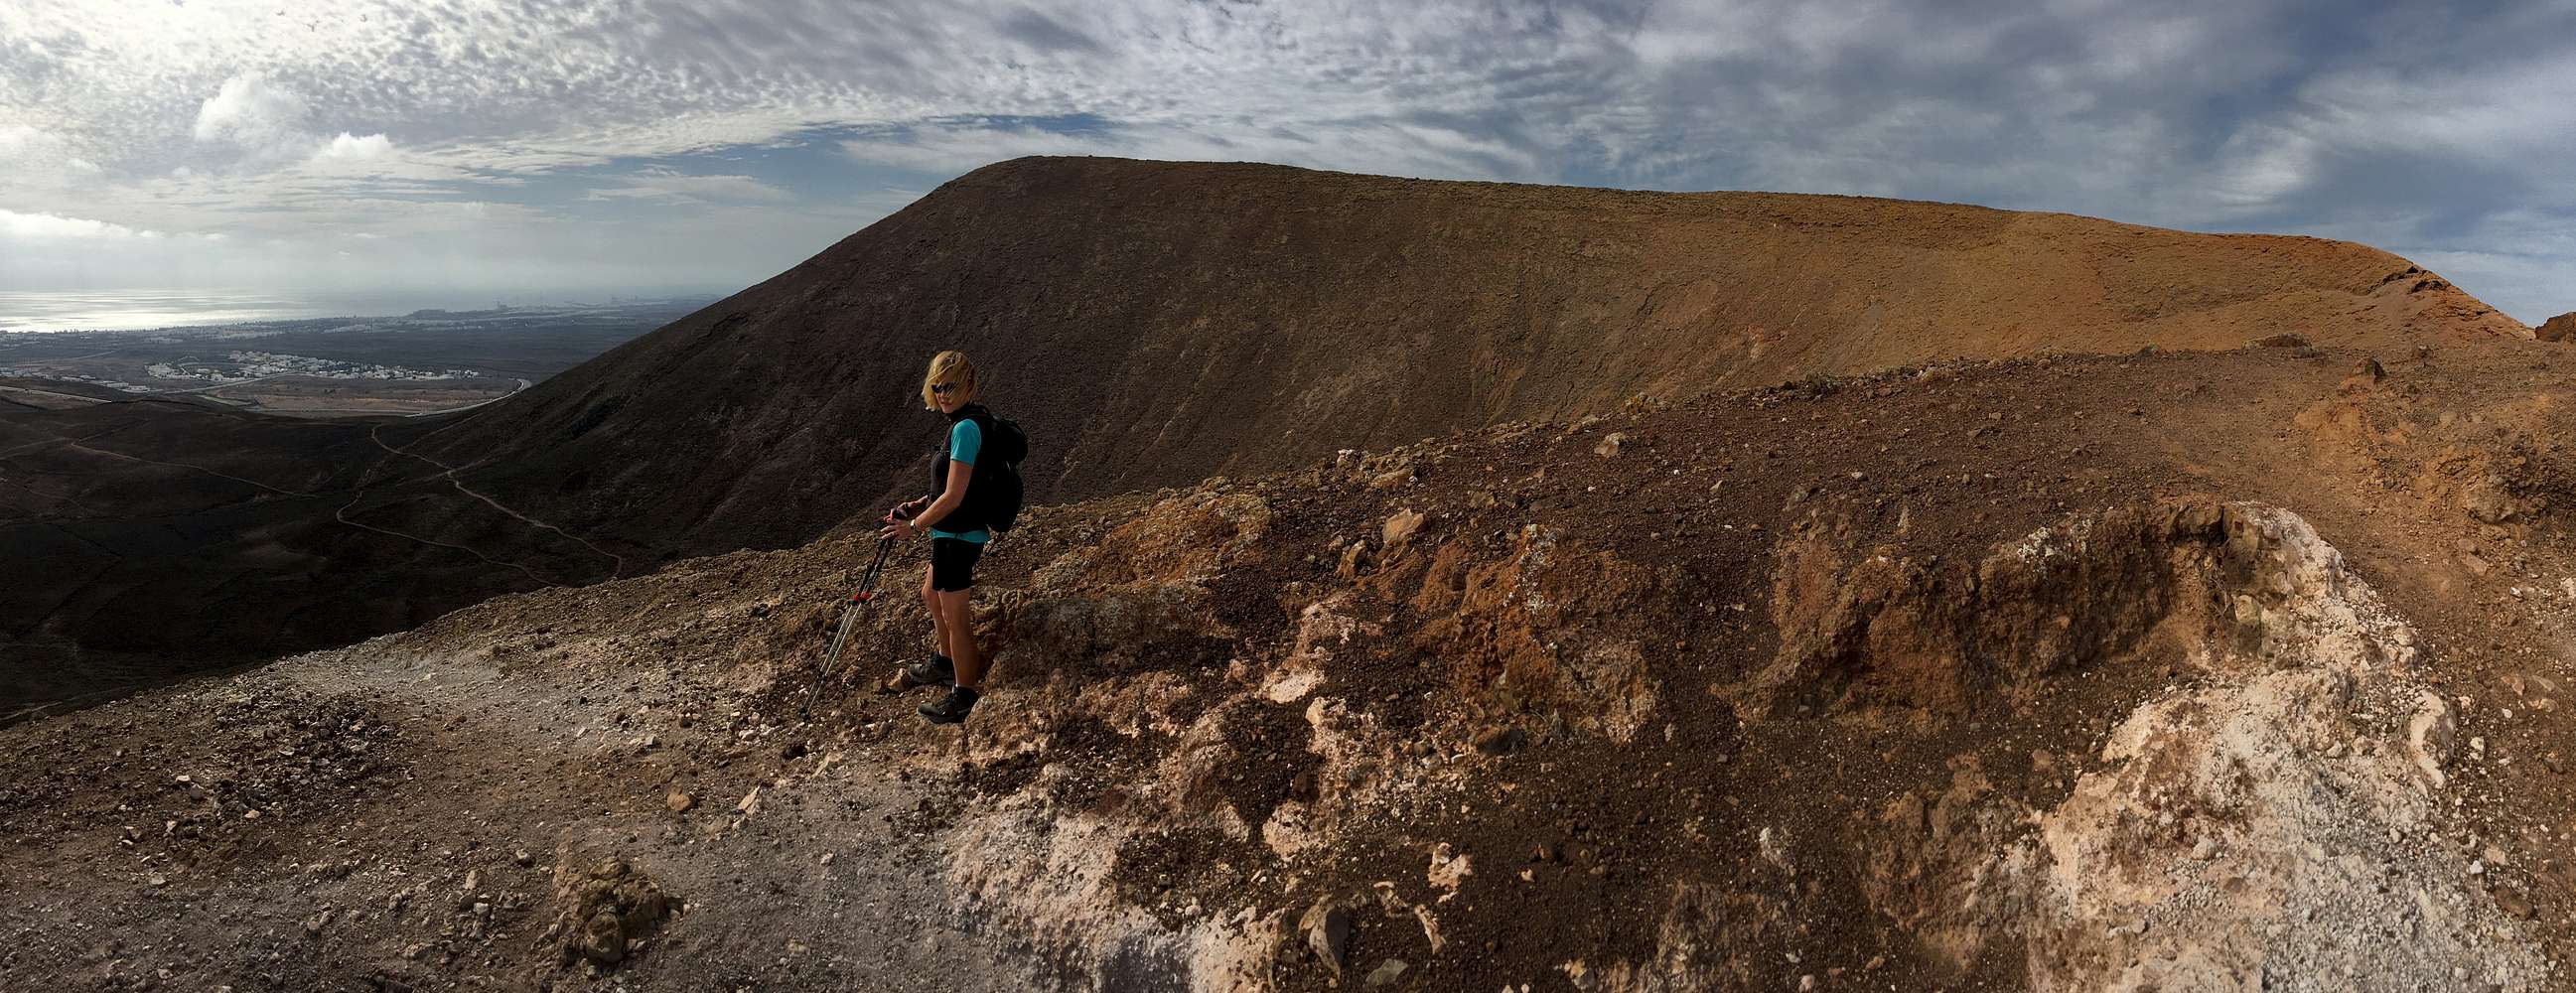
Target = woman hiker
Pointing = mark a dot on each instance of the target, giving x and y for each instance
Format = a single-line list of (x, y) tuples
[(956, 541)]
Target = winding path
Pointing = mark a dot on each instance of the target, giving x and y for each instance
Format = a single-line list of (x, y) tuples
[(183, 465), (448, 472), (341, 514), (523, 385)]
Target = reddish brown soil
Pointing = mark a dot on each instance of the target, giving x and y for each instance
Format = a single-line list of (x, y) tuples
[(1152, 324), (2445, 483), (1159, 323)]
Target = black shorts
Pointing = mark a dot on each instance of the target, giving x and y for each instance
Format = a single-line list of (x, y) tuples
[(952, 563)]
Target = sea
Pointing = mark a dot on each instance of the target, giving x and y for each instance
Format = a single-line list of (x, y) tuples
[(135, 310)]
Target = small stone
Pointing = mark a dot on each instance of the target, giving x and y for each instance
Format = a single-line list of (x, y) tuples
[(1327, 928), (603, 938), (791, 751), (2204, 849), (1387, 972), (2514, 905), (1354, 558), (679, 803), (1500, 740), (2430, 734), (1611, 445), (1400, 527), (523, 858), (1807, 982)]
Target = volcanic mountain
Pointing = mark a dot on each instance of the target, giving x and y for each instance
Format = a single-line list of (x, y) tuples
[(1150, 324), (1154, 324)]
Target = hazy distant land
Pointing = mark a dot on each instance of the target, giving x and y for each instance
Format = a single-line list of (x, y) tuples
[(422, 362)]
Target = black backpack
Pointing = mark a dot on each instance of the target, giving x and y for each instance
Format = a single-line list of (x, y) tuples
[(996, 488), (993, 492)]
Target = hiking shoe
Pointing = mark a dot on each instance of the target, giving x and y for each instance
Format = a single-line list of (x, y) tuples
[(936, 671), (950, 709)]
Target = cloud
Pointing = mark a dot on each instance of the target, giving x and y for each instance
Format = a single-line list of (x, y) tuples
[(2257, 167), (17, 225), (1395, 147), (601, 115), (671, 185), (252, 113), (36, 159), (351, 148)]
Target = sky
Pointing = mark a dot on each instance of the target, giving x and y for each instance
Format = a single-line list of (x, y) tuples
[(569, 149)]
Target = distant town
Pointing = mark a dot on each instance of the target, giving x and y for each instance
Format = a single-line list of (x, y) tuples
[(428, 361)]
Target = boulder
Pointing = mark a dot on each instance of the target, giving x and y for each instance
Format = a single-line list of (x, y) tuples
[(2559, 328)]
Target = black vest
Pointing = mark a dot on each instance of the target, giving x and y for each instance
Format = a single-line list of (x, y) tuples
[(967, 517)]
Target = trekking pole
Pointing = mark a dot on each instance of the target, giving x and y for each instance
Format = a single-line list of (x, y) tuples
[(867, 592)]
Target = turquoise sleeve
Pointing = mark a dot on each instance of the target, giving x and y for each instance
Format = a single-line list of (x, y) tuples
[(965, 441)]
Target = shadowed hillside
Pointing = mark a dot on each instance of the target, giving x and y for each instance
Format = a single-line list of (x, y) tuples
[(1158, 323), (2188, 671), (1151, 324)]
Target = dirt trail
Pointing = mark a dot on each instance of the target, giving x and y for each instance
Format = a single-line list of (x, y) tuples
[(448, 473), (413, 819), (77, 446)]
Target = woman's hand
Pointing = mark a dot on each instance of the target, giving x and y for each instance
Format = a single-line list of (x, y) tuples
[(899, 529)]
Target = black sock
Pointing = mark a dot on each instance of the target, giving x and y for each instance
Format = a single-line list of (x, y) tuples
[(942, 661), (965, 695)]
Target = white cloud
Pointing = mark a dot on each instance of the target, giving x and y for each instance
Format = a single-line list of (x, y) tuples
[(17, 225), (1379, 146), (38, 160), (349, 147), (672, 185), (2258, 167), (274, 120), (254, 114)]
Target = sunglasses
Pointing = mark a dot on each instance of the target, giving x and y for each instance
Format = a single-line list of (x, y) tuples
[(943, 389)]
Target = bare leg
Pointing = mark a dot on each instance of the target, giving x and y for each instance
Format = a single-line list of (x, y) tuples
[(957, 621), (938, 626)]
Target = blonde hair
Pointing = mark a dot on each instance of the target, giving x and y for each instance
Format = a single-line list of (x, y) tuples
[(948, 367)]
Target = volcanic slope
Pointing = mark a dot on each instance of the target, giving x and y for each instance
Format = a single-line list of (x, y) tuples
[(1158, 323), (2239, 670), (1150, 323), (149, 538)]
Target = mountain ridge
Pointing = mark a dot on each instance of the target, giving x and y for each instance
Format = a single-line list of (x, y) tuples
[(1154, 323)]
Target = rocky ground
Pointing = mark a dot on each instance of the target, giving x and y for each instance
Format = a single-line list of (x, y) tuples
[(2169, 671)]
